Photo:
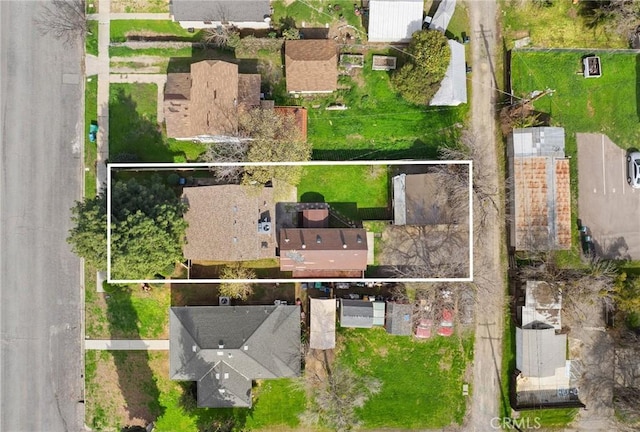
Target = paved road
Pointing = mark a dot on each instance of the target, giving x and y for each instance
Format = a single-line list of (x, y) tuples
[(607, 204), (40, 297)]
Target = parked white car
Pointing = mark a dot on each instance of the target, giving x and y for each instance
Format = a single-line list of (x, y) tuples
[(633, 169)]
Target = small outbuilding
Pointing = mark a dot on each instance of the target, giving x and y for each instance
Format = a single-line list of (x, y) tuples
[(453, 88), (399, 319), (322, 333), (394, 20)]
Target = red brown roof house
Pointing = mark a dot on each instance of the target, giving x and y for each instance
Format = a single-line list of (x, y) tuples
[(323, 252), (311, 66), (540, 202), (205, 102)]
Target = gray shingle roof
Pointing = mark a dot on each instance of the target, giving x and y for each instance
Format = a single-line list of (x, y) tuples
[(220, 10), (224, 348), (399, 319), (356, 313)]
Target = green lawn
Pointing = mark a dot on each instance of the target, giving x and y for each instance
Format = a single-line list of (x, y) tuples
[(345, 185), (608, 104), (119, 383), (121, 28), (421, 381), (378, 123), (134, 130), (127, 312), (90, 148), (550, 418), (317, 13), (91, 39), (557, 25), (508, 364)]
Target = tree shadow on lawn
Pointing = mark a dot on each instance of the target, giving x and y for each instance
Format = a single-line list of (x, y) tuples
[(135, 133), (136, 380), (419, 150)]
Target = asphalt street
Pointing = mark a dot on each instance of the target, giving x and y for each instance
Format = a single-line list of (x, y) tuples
[(41, 358)]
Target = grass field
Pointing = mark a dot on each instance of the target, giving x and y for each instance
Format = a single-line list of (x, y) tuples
[(318, 13), (91, 39), (125, 388), (133, 128), (608, 104), (90, 148), (120, 29), (557, 25), (127, 312), (137, 6), (421, 381), (550, 418), (378, 123), (342, 186)]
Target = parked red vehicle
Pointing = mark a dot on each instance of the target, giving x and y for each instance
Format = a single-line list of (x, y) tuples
[(423, 331), (446, 325)]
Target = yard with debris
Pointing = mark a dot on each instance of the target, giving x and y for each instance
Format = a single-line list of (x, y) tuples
[(421, 380)]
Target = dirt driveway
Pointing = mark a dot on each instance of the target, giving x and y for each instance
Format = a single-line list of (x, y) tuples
[(607, 204)]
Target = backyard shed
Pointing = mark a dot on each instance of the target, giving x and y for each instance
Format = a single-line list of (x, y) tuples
[(356, 313), (441, 18), (394, 20), (322, 333), (399, 319), (453, 88)]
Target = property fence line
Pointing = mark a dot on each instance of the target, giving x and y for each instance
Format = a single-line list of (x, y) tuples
[(579, 50)]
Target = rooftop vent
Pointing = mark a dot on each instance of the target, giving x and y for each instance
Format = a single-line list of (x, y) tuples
[(359, 239), (318, 239), (264, 227)]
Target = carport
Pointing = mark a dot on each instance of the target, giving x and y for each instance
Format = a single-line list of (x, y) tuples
[(607, 204)]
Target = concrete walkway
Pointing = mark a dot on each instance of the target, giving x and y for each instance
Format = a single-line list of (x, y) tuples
[(132, 16), (158, 79), (104, 29), (127, 344)]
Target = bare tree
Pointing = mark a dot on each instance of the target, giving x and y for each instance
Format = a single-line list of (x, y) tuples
[(233, 151), (226, 37), (63, 19), (336, 396), (238, 290)]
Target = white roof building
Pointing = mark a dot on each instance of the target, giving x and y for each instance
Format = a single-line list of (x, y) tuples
[(453, 88), (394, 20), (441, 18)]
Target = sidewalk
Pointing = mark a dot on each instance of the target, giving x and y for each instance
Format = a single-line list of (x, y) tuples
[(104, 28), (127, 345), (132, 16)]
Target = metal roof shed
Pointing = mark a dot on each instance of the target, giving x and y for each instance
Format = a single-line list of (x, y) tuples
[(379, 309), (443, 15), (394, 20), (540, 352), (453, 88), (356, 313)]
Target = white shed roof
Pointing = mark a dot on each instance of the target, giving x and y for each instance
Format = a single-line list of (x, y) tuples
[(394, 20), (323, 324), (443, 15), (453, 88)]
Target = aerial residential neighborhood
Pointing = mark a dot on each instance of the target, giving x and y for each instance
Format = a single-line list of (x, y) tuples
[(314, 215)]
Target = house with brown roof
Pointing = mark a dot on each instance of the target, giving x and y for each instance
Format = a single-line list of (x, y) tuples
[(205, 102), (229, 223), (323, 252), (540, 201), (311, 66)]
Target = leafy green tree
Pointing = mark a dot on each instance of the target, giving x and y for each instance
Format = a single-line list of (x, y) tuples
[(147, 229), (427, 60)]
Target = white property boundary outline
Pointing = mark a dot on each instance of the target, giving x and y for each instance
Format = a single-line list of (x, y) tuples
[(195, 166)]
